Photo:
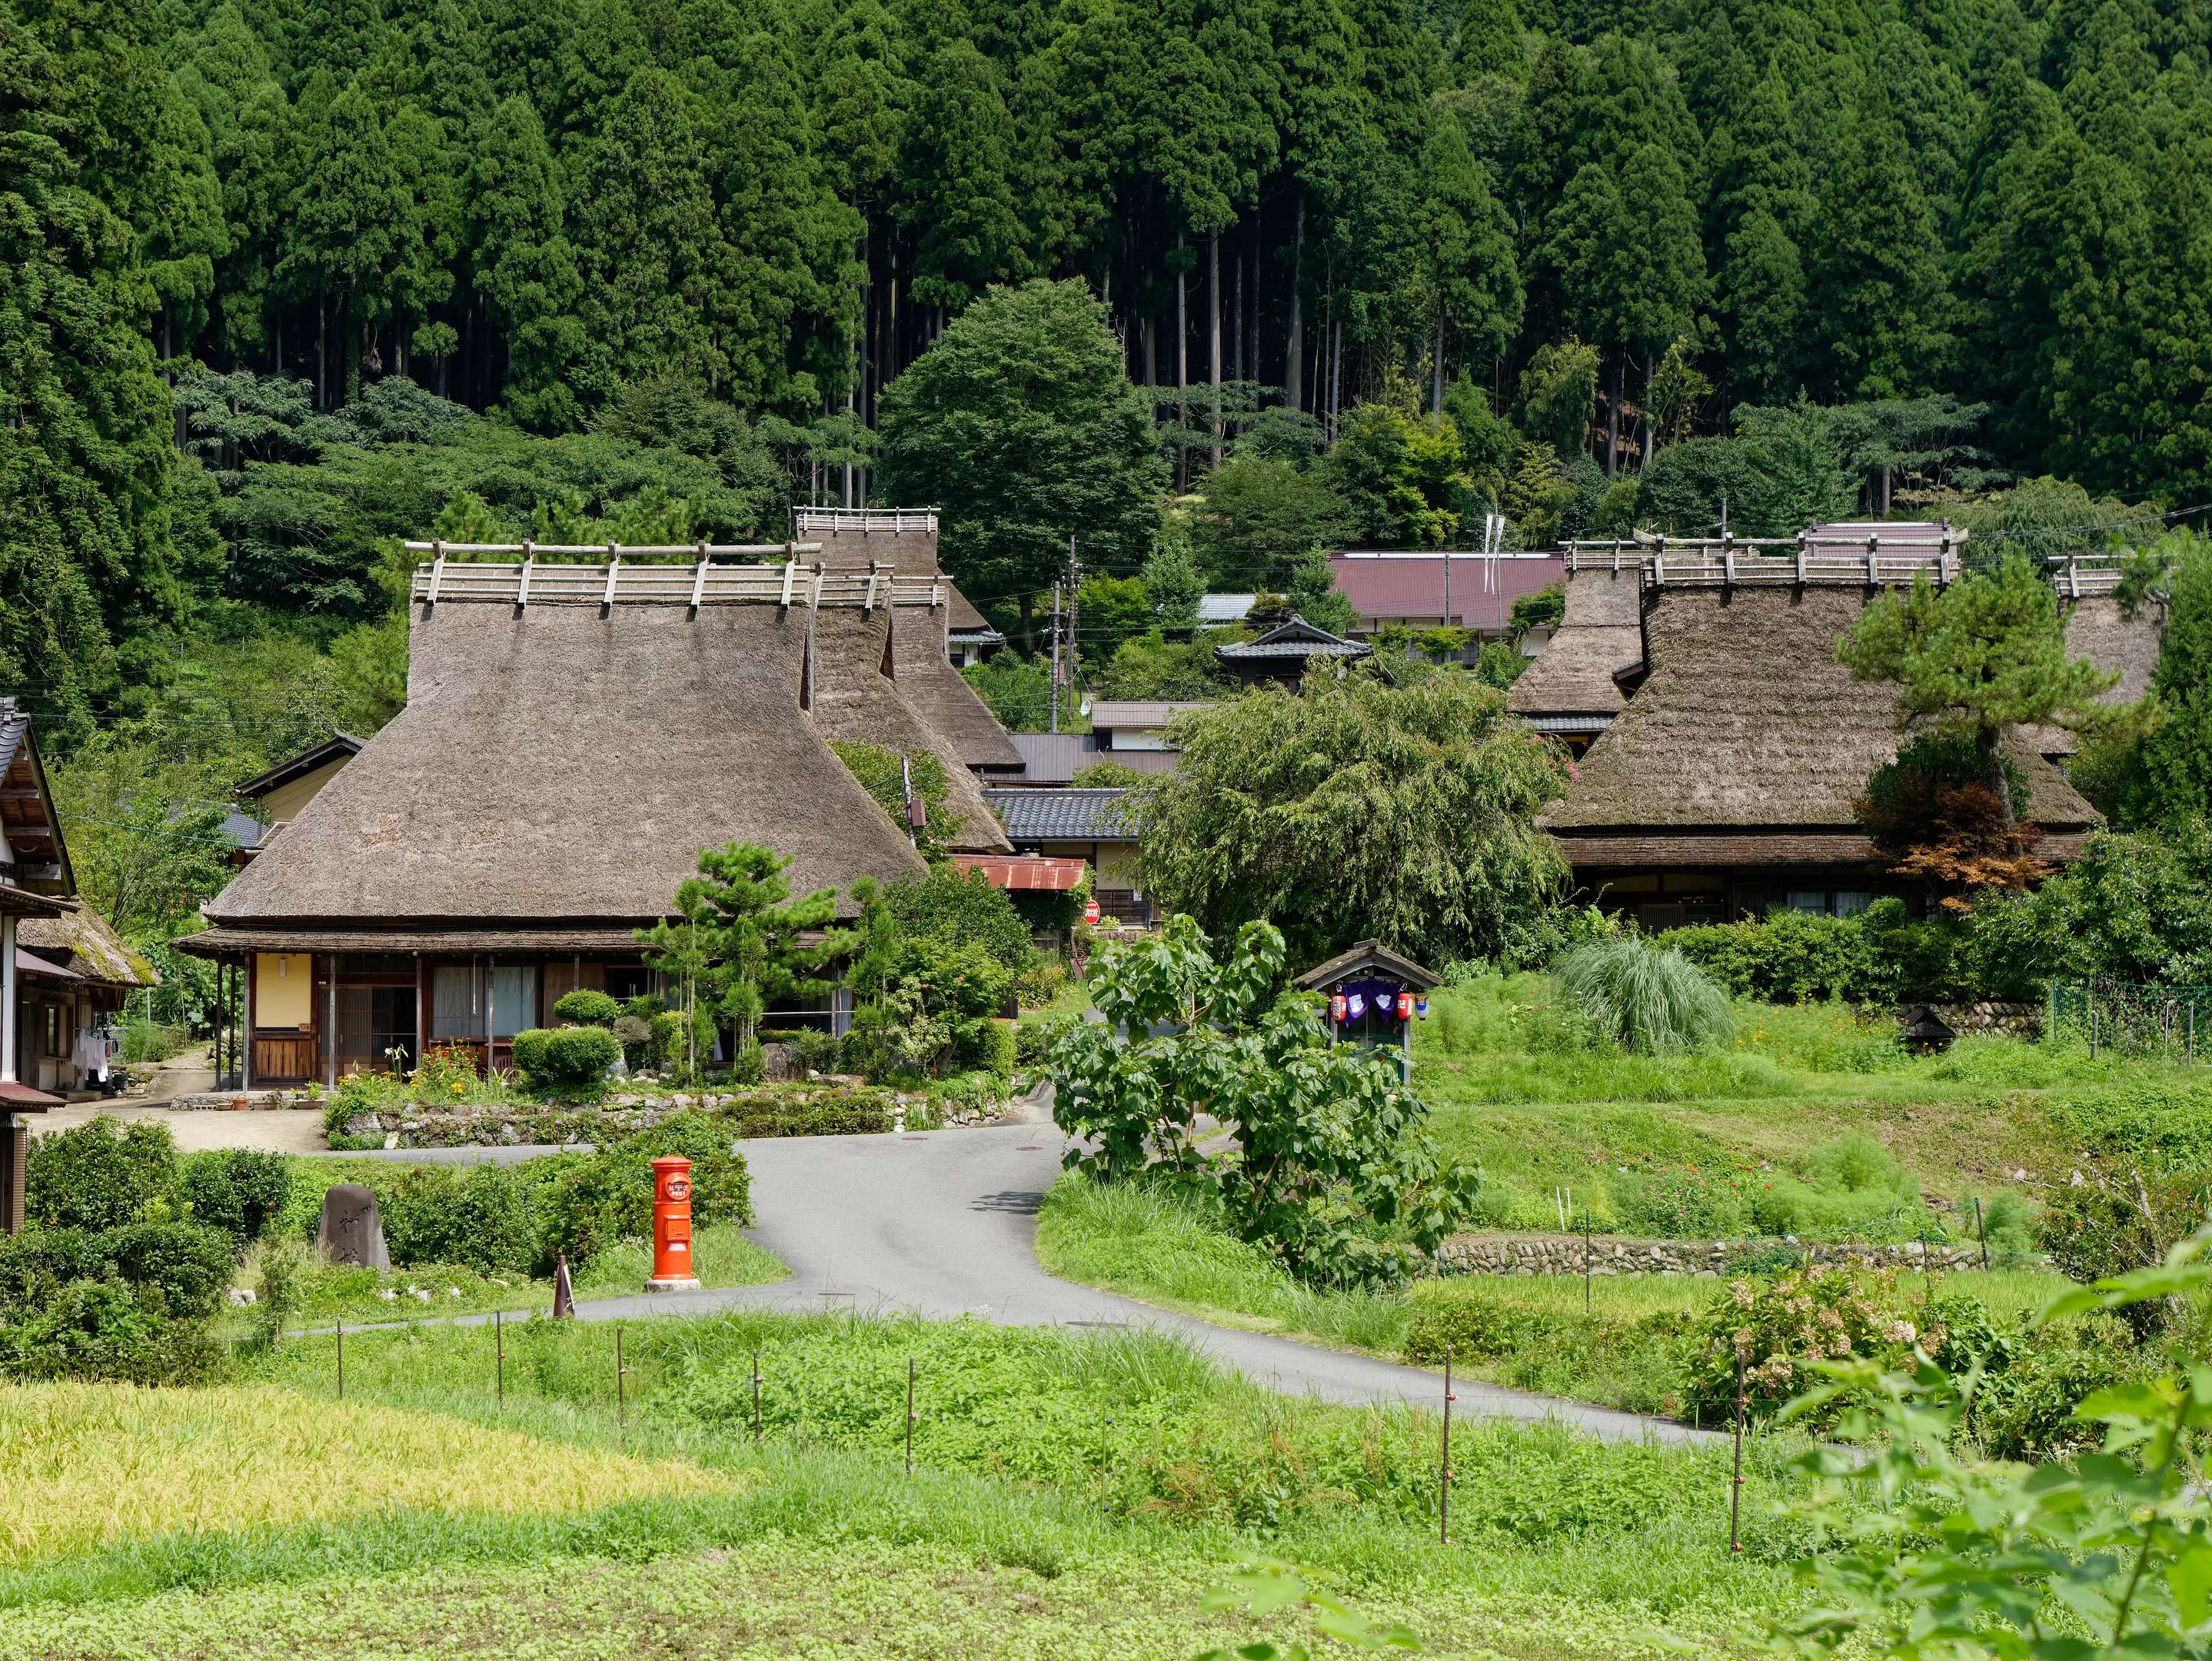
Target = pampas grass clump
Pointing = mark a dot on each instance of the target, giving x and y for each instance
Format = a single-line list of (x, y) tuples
[(1649, 998)]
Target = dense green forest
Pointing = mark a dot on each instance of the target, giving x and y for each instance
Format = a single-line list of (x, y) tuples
[(283, 280)]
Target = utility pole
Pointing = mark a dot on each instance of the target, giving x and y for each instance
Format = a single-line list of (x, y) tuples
[(1056, 657), (1073, 660)]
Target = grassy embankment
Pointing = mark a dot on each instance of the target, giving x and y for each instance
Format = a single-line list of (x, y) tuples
[(1074, 1495)]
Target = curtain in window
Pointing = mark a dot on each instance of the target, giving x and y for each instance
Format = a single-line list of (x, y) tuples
[(456, 1002), (513, 999)]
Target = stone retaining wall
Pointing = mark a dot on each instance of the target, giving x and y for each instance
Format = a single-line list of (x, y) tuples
[(2014, 1020), (1618, 1256)]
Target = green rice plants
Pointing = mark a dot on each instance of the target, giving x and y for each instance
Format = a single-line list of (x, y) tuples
[(1649, 998)]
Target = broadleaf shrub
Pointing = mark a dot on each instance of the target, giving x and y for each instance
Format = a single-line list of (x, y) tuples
[(102, 1174), (566, 1058), (591, 1202), (239, 1190), (587, 1008), (480, 1216), (1779, 1329), (132, 1302)]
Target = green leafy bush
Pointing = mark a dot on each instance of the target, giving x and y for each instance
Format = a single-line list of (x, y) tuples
[(1648, 997), (961, 908), (1883, 955), (239, 1190), (842, 1116), (1779, 1329), (566, 1058), (591, 1202), (1679, 1203), (986, 1046), (480, 1216), (132, 1302), (587, 1008), (102, 1174)]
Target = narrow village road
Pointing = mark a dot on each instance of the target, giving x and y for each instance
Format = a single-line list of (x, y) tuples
[(944, 1224)]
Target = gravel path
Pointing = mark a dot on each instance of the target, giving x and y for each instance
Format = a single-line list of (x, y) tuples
[(944, 1223)]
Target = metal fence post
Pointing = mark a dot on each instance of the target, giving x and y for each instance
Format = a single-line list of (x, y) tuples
[(1982, 1230), (622, 1420), (1735, 1490), (910, 1415), (342, 1358), (499, 1345), (1444, 1483), (757, 1384)]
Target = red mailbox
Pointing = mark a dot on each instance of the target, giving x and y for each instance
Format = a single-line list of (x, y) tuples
[(671, 1227)]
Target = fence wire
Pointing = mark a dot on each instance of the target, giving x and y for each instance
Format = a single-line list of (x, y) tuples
[(2167, 1022)]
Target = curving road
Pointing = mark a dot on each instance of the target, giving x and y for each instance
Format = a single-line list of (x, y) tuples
[(944, 1223)]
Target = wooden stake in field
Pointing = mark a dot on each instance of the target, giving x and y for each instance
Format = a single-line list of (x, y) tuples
[(342, 1358), (1982, 1232), (1443, 1486), (910, 1415), (1735, 1489), (1586, 1260), (757, 1384), (499, 1346)]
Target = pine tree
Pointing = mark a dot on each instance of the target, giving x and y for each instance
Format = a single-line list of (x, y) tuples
[(2170, 780)]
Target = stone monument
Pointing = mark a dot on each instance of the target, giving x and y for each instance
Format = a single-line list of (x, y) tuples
[(350, 1232)]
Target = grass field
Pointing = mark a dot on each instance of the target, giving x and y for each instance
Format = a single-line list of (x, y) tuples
[(1074, 1494), (1519, 1090), (723, 1258)]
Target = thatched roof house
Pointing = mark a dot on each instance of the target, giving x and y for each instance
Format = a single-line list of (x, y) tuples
[(928, 610), (1726, 783), (573, 735), (1572, 691)]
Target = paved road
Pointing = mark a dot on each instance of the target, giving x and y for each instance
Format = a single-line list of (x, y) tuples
[(944, 1224)]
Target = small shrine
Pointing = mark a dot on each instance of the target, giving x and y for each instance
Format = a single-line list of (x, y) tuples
[(1375, 996)]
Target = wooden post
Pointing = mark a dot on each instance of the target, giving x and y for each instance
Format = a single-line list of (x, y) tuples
[(522, 584), (1445, 1477), (1735, 1489), (422, 1009), (245, 1026), (331, 1037)]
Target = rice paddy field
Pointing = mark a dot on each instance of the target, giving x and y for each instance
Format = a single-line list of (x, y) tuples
[(1071, 1495)]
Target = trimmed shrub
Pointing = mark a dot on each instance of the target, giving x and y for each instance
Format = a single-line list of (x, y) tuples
[(1649, 997), (567, 1058), (588, 1009), (857, 1116), (102, 1174), (480, 1216), (961, 908), (239, 1190), (986, 1046)]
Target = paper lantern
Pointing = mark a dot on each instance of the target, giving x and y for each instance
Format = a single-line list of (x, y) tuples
[(1405, 1005), (1090, 911), (1336, 1008), (1421, 1006)]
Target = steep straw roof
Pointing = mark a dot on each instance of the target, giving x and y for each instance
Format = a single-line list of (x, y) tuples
[(855, 696), (81, 941), (945, 700), (1599, 632), (1749, 723), (568, 764), (2098, 631)]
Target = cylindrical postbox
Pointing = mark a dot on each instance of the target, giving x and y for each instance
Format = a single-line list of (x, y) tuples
[(671, 1227)]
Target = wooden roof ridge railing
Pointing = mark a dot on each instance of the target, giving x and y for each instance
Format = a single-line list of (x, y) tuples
[(1824, 560), (696, 583), (897, 521)]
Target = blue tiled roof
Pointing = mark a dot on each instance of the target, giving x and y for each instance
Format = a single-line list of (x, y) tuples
[(1059, 815)]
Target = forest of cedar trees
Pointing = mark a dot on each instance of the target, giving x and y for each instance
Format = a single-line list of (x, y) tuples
[(282, 281)]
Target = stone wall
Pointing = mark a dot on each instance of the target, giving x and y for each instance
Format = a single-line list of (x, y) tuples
[(2014, 1020), (1618, 1255)]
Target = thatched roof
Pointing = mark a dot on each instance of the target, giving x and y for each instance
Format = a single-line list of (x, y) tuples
[(1747, 724), (855, 694), (2096, 628), (1598, 633), (81, 941), (568, 762), (903, 538), (936, 689)]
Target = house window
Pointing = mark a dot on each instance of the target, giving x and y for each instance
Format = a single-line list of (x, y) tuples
[(1849, 902), (456, 1002), (52, 1035), (1830, 902), (513, 999), (1812, 901)]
